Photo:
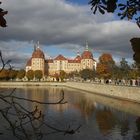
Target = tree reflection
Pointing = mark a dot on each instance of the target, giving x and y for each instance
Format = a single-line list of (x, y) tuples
[(25, 123), (86, 107), (124, 127), (106, 120)]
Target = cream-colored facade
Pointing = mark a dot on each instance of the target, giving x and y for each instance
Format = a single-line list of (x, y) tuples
[(59, 63)]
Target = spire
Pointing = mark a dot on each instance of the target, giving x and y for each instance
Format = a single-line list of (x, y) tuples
[(34, 47), (86, 46), (37, 44)]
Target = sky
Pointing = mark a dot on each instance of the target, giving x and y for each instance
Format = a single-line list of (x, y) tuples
[(62, 27)]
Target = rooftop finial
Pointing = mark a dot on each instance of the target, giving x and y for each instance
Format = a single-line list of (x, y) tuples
[(86, 46), (78, 53)]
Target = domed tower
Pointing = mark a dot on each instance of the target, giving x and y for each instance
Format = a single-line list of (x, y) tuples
[(38, 59), (87, 61), (28, 65)]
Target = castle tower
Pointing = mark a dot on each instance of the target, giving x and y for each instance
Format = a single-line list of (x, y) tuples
[(37, 61), (87, 61)]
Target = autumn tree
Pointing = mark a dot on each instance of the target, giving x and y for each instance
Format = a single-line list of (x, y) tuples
[(21, 74), (38, 74), (102, 71), (30, 75), (4, 74), (105, 66), (106, 58)]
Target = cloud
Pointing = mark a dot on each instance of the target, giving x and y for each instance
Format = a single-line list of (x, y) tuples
[(64, 25)]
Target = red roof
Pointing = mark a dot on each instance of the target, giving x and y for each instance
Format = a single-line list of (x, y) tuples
[(87, 55), (60, 57), (74, 61), (29, 62), (38, 54), (49, 60), (78, 57)]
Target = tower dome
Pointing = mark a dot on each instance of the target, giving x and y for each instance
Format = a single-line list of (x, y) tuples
[(87, 54), (38, 53), (29, 62)]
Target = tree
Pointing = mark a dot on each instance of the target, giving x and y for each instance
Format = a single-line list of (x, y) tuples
[(107, 59), (87, 74), (62, 75), (2, 19), (135, 42), (129, 9), (103, 71), (4, 74), (12, 74), (125, 68), (38, 74), (73, 74), (105, 66), (21, 74), (134, 72), (30, 75)]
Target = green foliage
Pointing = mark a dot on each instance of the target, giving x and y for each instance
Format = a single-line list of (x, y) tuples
[(73, 74), (30, 75), (124, 68), (38, 74), (62, 75), (13, 74), (87, 74), (21, 74)]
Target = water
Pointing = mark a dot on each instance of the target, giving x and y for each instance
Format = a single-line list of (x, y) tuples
[(100, 118)]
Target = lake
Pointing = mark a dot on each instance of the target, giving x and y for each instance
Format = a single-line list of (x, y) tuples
[(96, 117)]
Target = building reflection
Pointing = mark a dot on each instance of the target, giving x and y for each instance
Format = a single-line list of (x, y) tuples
[(107, 113), (46, 95)]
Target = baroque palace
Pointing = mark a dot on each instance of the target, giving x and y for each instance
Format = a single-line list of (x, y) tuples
[(59, 63)]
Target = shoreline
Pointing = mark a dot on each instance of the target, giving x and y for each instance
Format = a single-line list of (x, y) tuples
[(119, 92)]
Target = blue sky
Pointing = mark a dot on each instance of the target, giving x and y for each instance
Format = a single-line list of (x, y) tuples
[(81, 2), (62, 27)]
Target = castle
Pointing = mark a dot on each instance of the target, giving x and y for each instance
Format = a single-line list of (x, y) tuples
[(53, 66)]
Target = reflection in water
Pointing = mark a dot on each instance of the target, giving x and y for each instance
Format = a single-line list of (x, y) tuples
[(106, 120), (137, 136), (101, 117)]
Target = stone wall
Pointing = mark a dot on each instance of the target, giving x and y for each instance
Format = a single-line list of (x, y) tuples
[(122, 92)]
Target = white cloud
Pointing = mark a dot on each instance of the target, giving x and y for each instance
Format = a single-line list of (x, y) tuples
[(65, 25)]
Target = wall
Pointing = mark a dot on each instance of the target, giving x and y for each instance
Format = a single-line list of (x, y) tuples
[(122, 92)]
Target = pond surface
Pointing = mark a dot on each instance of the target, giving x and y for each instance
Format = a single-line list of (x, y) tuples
[(100, 118)]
